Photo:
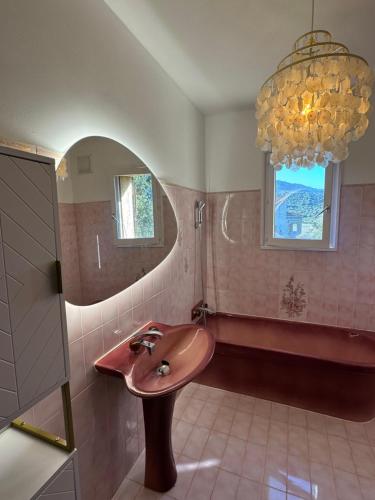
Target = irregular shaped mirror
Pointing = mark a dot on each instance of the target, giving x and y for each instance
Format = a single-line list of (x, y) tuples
[(116, 222)]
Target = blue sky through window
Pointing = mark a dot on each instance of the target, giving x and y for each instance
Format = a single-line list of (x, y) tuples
[(314, 177)]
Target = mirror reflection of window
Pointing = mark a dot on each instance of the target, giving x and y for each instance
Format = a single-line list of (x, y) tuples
[(135, 206), (125, 207), (138, 217)]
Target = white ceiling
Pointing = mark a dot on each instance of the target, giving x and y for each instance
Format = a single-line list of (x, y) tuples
[(219, 52)]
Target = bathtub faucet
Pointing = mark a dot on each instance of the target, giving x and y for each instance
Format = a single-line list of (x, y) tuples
[(201, 312), (204, 310)]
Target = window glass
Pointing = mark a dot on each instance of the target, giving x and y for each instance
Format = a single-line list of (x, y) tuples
[(301, 208), (299, 203)]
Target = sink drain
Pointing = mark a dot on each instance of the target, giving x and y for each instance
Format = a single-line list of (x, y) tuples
[(163, 369)]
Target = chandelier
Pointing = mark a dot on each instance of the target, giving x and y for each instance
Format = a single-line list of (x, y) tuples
[(315, 103)]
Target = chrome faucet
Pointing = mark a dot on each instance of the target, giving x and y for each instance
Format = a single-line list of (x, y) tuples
[(205, 310), (201, 312), (139, 340)]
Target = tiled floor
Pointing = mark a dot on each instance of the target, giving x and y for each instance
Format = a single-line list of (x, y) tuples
[(229, 446)]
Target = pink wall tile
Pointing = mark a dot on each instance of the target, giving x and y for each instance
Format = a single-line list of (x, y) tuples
[(314, 310), (93, 348), (112, 334), (366, 287), (339, 285), (368, 201), (371, 319), (362, 316), (77, 368), (109, 309), (74, 321), (329, 311), (347, 285), (345, 314), (367, 232), (124, 301), (70, 254), (351, 201), (91, 318), (125, 324), (48, 408), (137, 293)]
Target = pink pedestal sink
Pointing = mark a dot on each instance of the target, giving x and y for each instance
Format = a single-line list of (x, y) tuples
[(188, 349)]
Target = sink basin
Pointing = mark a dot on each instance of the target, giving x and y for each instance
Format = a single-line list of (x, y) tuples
[(187, 348)]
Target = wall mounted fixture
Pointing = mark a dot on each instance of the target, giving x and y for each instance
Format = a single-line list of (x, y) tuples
[(198, 211)]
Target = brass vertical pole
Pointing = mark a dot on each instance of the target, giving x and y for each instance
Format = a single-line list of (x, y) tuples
[(68, 417)]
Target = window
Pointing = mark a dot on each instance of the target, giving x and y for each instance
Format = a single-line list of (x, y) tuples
[(138, 217), (301, 208)]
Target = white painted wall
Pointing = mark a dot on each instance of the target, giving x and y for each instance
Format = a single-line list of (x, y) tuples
[(71, 69), (233, 163), (359, 168)]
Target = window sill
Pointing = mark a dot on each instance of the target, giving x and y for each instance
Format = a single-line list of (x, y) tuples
[(297, 249), (132, 244)]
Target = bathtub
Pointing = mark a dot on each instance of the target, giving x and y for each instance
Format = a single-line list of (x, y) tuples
[(319, 368)]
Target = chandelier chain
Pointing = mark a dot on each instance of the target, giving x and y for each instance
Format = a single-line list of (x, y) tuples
[(312, 14)]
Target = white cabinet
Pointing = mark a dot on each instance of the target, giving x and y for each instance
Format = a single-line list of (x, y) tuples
[(33, 346), (33, 469), (33, 340)]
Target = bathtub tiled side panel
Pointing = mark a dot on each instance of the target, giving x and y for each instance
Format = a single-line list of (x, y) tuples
[(244, 279)]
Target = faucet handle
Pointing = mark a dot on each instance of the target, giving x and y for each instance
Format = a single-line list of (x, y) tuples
[(150, 346), (135, 345), (155, 331)]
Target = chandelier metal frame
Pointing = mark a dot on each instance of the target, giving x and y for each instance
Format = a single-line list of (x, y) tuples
[(310, 46)]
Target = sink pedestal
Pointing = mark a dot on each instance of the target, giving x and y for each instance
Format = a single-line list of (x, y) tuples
[(188, 349), (160, 473)]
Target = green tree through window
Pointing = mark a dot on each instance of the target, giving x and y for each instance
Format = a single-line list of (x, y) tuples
[(143, 206)]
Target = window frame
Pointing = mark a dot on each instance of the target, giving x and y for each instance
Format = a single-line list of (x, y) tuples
[(158, 239), (330, 216)]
